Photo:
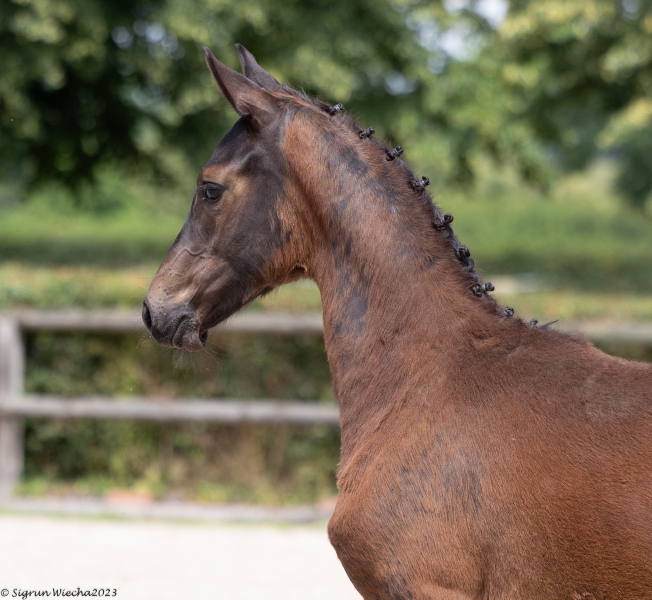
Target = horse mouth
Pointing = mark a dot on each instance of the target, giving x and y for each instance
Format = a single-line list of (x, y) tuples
[(184, 332), (189, 335)]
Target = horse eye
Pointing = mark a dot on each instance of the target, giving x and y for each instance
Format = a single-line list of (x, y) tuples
[(212, 193)]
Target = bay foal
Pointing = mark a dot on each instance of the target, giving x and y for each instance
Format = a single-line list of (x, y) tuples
[(482, 457)]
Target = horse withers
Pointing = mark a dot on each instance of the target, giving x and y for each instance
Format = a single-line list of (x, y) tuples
[(482, 456)]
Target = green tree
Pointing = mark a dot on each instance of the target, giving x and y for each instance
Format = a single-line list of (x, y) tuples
[(580, 76), (61, 103), (90, 82), (87, 82)]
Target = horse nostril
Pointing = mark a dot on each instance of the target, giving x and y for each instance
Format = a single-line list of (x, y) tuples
[(147, 317)]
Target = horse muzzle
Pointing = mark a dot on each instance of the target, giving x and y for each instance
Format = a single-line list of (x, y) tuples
[(176, 326)]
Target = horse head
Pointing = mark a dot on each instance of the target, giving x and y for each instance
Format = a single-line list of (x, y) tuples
[(239, 240)]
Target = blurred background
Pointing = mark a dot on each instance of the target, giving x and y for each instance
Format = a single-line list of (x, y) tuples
[(532, 119)]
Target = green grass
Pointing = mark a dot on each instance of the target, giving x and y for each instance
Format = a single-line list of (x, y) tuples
[(23, 285), (579, 237), (578, 305), (120, 240), (271, 465), (29, 286)]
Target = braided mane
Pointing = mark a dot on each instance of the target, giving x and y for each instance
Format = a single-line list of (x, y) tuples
[(440, 222)]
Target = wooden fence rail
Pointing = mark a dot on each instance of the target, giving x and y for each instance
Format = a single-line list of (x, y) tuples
[(150, 409), (15, 405), (113, 321)]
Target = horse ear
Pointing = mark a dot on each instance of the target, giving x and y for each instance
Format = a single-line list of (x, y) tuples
[(254, 71), (249, 99)]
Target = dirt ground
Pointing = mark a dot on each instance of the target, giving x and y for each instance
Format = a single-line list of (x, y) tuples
[(163, 560)]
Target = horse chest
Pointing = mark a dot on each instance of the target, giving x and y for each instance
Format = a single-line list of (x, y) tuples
[(403, 533)]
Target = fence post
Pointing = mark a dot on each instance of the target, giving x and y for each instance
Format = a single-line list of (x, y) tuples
[(12, 368)]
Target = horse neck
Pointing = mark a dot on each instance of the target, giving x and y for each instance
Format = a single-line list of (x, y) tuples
[(394, 295)]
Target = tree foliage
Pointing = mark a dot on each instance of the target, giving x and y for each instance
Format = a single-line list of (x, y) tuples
[(90, 82), (581, 76)]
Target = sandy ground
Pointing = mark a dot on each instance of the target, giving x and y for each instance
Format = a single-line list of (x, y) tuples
[(165, 560)]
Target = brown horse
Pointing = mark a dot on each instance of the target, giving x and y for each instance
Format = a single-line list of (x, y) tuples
[(482, 457)]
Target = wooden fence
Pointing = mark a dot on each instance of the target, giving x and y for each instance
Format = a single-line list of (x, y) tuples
[(15, 405)]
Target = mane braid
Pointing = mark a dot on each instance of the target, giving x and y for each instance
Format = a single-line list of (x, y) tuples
[(441, 223)]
